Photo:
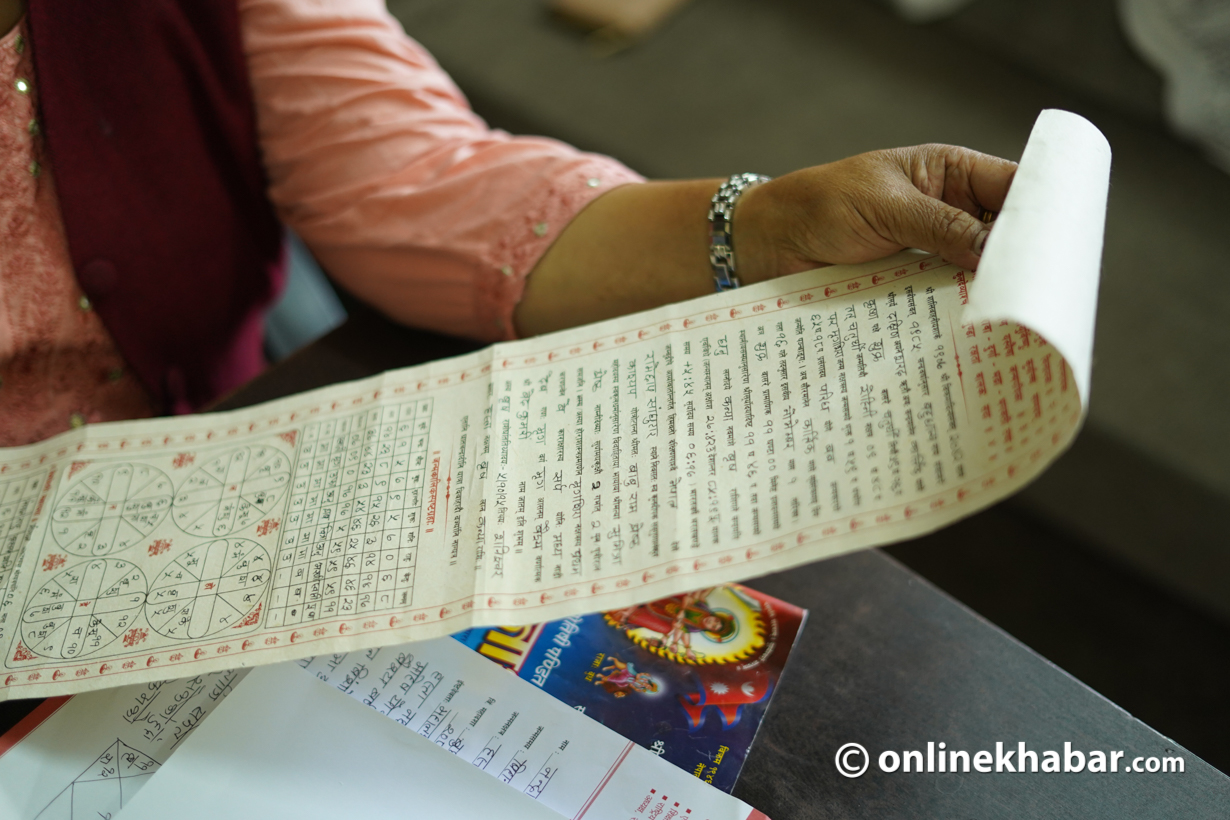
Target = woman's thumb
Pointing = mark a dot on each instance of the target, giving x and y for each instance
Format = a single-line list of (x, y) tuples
[(930, 224)]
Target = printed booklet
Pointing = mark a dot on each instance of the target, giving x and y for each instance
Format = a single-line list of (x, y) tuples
[(688, 677)]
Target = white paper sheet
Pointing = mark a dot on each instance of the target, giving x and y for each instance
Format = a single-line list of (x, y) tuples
[(587, 470), (284, 745), (460, 736), (86, 757), (511, 729)]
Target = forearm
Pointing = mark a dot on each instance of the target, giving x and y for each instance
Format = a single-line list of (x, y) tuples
[(636, 247), (641, 246), (411, 202)]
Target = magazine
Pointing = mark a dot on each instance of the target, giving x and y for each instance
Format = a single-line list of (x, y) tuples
[(688, 677)]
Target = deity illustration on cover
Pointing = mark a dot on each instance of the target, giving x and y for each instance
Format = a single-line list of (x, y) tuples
[(688, 677)]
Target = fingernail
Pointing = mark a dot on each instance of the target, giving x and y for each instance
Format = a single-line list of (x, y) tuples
[(981, 243)]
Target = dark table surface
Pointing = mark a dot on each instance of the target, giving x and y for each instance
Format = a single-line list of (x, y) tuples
[(887, 661)]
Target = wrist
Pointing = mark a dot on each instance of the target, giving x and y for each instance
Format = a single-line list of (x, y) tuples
[(755, 251), (722, 225)]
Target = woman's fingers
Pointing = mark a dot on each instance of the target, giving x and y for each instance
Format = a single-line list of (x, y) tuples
[(969, 180), (937, 206), (866, 207), (916, 220), (989, 178)]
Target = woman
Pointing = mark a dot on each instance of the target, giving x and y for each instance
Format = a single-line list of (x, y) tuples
[(150, 149)]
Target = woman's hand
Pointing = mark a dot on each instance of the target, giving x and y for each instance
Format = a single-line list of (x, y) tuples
[(641, 246), (868, 206)]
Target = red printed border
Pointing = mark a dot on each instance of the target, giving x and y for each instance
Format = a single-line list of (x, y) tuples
[(801, 297), (516, 602), (619, 761)]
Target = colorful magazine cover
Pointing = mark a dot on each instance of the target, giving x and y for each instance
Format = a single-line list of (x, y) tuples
[(688, 677)]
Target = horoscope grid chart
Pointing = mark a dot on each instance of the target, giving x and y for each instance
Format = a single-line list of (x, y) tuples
[(309, 524)]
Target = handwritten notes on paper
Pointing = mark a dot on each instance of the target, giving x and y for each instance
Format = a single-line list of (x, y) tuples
[(508, 728), (88, 756), (442, 692), (265, 742), (590, 469)]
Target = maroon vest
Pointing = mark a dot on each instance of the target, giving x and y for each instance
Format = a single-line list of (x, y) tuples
[(150, 130)]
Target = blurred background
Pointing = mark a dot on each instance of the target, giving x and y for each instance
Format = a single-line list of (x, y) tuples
[(1115, 565)]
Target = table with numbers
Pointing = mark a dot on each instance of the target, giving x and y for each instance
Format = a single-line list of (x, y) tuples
[(350, 538)]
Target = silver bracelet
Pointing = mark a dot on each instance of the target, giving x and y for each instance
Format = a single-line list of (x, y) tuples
[(721, 228)]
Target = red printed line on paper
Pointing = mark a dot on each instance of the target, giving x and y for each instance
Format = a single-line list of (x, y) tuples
[(610, 773)]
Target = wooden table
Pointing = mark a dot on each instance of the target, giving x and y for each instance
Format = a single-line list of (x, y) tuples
[(887, 661)]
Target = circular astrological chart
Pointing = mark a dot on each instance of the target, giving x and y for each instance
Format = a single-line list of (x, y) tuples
[(232, 491), (110, 508), (83, 608), (209, 588)]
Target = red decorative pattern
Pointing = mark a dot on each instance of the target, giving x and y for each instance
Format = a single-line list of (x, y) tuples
[(183, 460), (135, 636), (252, 618), (53, 561), (267, 526), (23, 654), (290, 436), (159, 547)]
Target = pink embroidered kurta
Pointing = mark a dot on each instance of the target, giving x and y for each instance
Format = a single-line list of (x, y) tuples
[(374, 158), (58, 365)]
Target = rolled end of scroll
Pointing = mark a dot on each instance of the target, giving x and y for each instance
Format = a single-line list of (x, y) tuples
[(1043, 259)]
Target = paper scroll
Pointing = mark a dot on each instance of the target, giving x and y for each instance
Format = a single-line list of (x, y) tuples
[(586, 470)]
